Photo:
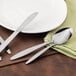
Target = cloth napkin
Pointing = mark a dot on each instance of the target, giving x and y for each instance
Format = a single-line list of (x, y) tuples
[(69, 48)]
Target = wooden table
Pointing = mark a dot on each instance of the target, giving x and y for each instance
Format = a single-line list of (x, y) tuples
[(49, 65)]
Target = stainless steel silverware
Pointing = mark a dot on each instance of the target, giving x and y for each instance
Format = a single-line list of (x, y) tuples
[(58, 38), (16, 32)]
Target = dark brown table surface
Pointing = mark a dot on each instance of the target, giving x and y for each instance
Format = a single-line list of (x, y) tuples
[(50, 64)]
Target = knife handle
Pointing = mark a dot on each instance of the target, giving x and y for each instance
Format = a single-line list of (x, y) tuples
[(17, 31)]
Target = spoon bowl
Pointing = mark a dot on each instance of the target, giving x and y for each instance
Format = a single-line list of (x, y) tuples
[(62, 36)]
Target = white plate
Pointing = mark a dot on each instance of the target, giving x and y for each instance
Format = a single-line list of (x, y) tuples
[(51, 14)]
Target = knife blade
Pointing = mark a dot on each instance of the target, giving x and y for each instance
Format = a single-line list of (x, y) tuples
[(17, 31)]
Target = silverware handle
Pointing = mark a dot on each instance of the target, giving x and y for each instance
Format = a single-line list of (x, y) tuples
[(31, 49), (8, 50), (15, 33), (7, 41), (38, 54), (27, 51)]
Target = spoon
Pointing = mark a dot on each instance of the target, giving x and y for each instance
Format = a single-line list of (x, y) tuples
[(31, 49), (60, 37)]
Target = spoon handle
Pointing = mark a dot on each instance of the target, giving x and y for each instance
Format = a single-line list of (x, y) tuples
[(38, 54), (27, 51)]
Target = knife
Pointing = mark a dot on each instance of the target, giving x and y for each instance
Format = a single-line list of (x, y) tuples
[(17, 31)]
